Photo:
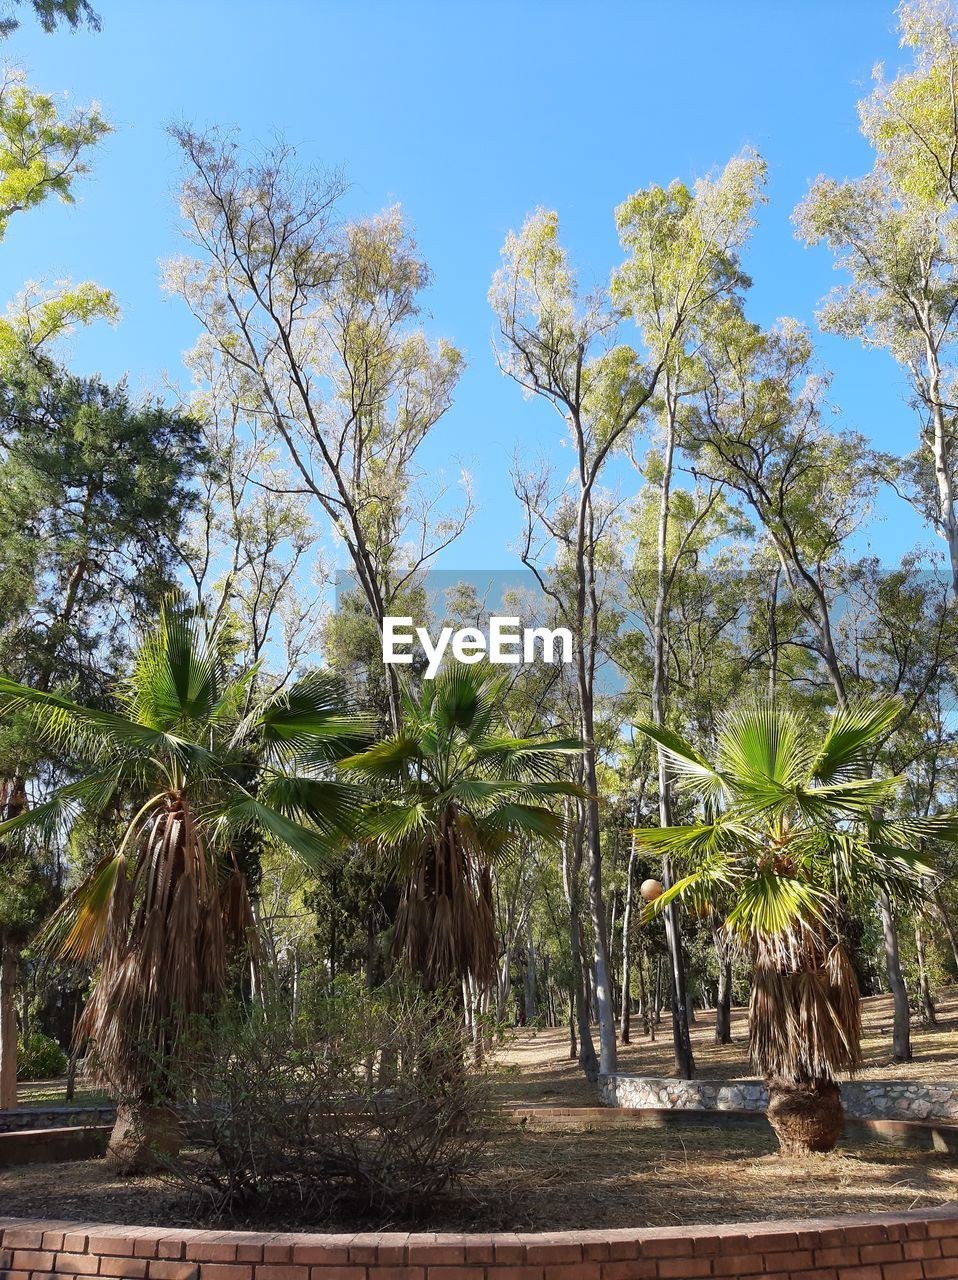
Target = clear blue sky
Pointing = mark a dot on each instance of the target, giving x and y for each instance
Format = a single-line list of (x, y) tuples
[(469, 114)]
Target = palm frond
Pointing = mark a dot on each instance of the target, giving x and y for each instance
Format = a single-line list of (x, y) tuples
[(243, 813), (525, 820), (77, 929), (763, 742), (770, 905), (692, 770), (386, 760), (308, 720), (178, 675), (852, 738)]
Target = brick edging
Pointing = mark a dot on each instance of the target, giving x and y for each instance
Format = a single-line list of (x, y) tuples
[(919, 1245)]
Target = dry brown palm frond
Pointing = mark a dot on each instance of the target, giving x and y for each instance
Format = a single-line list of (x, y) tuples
[(446, 922), (805, 1010), (165, 950)]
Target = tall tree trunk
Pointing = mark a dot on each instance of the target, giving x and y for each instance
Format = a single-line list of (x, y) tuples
[(723, 999), (587, 627), (530, 992), (684, 1061), (571, 865), (948, 926), (645, 1007), (603, 998), (901, 1035), (924, 989), (941, 446), (8, 1025), (627, 951)]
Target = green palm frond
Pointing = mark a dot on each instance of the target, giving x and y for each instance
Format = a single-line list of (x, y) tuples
[(465, 698), (308, 720), (761, 742), (179, 674), (485, 791), (397, 824), (692, 770), (525, 820), (246, 813), (852, 738), (332, 807), (91, 733), (725, 837), (854, 799), (524, 757), (770, 905), (387, 760)]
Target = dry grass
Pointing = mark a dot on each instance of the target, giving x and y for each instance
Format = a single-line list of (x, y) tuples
[(625, 1174), (540, 1070), (555, 1178)]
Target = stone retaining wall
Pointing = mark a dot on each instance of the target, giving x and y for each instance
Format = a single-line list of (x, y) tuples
[(52, 1117), (862, 1099), (906, 1246)]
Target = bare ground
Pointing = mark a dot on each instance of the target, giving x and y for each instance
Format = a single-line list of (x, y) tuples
[(560, 1175), (539, 1068), (561, 1178)]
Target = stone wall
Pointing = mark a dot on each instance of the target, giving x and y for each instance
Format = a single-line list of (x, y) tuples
[(907, 1246), (50, 1117), (862, 1099)]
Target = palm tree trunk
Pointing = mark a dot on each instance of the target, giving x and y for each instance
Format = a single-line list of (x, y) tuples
[(143, 1137), (806, 1116)]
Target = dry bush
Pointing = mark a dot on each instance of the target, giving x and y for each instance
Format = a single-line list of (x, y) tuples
[(363, 1101)]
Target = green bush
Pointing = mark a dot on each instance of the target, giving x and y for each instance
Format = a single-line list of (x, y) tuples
[(40, 1059)]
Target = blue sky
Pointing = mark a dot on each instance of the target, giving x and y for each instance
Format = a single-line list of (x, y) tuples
[(470, 114)]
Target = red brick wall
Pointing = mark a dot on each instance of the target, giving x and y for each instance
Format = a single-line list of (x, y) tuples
[(907, 1246)]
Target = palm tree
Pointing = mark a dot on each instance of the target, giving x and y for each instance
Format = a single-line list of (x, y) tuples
[(457, 793), (792, 833), (190, 776)]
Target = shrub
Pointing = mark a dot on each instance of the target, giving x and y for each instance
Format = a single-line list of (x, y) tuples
[(40, 1059), (362, 1102)]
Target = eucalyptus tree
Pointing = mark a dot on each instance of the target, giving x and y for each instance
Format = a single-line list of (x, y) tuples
[(789, 837), (900, 249), (51, 14), (249, 550), (705, 652), (313, 321), (567, 349), (758, 426), (183, 774)]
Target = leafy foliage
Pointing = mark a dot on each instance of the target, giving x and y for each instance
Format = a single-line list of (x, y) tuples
[(459, 795), (187, 772)]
